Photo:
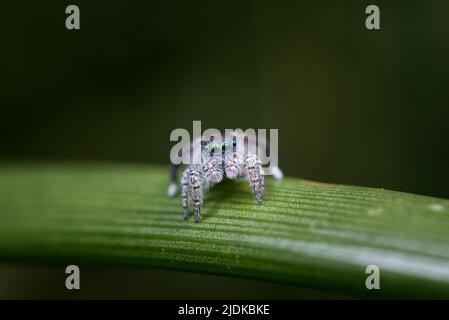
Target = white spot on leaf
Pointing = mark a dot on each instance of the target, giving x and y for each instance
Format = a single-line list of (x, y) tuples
[(375, 211), (436, 207)]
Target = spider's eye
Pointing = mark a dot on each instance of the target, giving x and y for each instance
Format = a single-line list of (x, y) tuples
[(214, 147), (234, 143), (224, 146)]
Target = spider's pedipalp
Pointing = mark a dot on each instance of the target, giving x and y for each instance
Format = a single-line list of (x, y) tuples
[(214, 170), (233, 166)]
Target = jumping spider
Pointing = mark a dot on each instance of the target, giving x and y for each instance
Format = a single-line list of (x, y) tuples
[(220, 157)]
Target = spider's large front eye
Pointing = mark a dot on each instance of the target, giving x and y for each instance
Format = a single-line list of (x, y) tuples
[(224, 146), (214, 147)]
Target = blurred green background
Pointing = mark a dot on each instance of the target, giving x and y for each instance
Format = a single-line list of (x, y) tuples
[(352, 106)]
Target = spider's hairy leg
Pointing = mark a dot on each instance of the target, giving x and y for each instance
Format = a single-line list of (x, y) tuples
[(185, 193), (255, 177), (196, 191), (262, 181)]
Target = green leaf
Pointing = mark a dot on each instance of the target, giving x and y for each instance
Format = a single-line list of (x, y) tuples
[(315, 235)]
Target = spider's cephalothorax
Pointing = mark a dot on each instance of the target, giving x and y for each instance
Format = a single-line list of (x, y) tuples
[(219, 158)]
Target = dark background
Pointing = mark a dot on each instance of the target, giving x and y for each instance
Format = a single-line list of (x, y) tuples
[(352, 106)]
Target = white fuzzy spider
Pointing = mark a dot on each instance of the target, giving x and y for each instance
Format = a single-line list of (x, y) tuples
[(220, 157)]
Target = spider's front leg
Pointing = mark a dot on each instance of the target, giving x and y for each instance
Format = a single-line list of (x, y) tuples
[(196, 191), (185, 193), (255, 177)]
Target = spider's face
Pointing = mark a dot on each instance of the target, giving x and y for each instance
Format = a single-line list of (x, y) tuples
[(220, 158), (214, 149)]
